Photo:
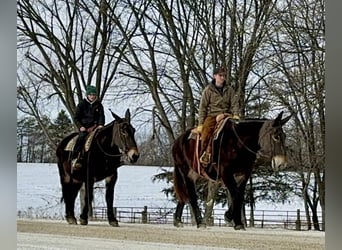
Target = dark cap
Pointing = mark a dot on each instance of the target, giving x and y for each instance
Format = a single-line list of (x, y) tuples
[(219, 70), (91, 90)]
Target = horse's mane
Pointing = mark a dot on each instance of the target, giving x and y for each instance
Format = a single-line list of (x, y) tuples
[(247, 120), (108, 125)]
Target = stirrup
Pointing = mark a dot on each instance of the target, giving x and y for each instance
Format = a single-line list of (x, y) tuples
[(75, 164), (205, 158)]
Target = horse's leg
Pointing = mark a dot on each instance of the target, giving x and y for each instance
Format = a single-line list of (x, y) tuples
[(110, 184), (193, 202), (69, 205), (177, 217), (88, 198), (238, 211), (228, 216), (210, 200), (236, 187), (70, 191)]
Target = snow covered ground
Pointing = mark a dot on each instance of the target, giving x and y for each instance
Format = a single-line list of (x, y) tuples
[(39, 191)]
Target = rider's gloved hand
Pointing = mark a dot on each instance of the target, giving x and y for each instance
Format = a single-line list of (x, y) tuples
[(199, 128), (236, 117)]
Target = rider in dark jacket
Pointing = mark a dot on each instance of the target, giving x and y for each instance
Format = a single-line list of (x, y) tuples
[(89, 115)]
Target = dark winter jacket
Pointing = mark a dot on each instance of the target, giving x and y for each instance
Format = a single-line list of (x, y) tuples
[(88, 114), (213, 102)]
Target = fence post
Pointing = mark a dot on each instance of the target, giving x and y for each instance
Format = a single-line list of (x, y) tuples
[(298, 224), (144, 215)]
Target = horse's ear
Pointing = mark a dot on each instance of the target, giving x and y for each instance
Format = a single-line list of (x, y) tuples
[(278, 119), (285, 120), (115, 116), (128, 116)]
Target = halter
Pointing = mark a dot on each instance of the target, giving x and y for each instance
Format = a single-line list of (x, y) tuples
[(258, 154), (109, 154)]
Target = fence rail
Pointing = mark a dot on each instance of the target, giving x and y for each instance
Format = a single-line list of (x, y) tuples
[(295, 220)]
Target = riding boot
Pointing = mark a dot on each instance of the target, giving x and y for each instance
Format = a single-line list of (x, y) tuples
[(205, 158), (76, 156)]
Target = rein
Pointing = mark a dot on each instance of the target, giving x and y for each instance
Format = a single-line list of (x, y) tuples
[(107, 154), (238, 137), (104, 152), (250, 150)]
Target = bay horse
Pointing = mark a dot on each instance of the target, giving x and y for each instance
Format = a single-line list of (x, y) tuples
[(99, 162), (238, 147)]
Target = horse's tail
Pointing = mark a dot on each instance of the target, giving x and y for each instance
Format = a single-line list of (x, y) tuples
[(180, 185)]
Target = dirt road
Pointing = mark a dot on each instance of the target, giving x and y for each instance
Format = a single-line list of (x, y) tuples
[(55, 234)]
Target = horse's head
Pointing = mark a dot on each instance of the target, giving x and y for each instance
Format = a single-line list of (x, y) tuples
[(123, 136), (272, 142)]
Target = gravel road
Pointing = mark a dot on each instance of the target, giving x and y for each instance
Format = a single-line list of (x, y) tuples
[(57, 234)]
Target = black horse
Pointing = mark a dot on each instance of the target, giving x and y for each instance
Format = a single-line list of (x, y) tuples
[(238, 147), (100, 161)]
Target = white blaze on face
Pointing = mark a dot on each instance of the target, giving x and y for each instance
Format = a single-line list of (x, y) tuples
[(279, 162)]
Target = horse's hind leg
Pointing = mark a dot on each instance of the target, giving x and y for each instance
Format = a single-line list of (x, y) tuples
[(177, 217), (194, 205), (70, 191), (110, 184)]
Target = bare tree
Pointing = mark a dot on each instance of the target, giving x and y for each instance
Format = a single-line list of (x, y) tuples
[(63, 47), (298, 84)]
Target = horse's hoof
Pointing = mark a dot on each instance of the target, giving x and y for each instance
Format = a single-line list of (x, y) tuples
[(71, 220), (178, 224), (239, 227), (83, 222), (202, 225), (229, 223), (114, 223)]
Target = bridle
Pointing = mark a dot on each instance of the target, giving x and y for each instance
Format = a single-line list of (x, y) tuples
[(122, 138), (258, 153), (105, 153), (239, 139)]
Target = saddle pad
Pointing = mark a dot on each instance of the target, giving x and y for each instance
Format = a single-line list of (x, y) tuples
[(71, 144), (193, 134), (89, 139), (219, 127)]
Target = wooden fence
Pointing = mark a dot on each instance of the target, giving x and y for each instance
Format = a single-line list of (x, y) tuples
[(295, 220)]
